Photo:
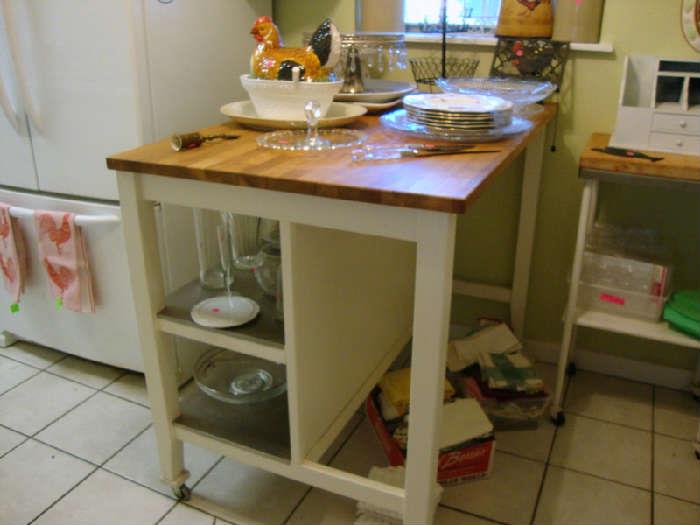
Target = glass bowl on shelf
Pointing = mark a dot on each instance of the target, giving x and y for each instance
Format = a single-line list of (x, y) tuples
[(239, 379)]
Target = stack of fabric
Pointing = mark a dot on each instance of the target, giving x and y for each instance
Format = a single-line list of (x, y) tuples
[(683, 312), (466, 437), (489, 366)]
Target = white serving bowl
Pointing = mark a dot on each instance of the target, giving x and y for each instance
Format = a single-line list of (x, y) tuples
[(285, 99)]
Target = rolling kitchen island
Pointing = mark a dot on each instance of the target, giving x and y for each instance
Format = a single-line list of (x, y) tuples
[(367, 255)]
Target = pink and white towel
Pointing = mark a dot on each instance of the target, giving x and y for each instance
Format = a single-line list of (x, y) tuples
[(13, 259), (63, 254)]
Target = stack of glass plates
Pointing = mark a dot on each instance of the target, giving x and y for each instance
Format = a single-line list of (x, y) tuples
[(447, 112)]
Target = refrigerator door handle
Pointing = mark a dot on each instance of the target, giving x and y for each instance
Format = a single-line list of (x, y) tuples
[(80, 220), (30, 106)]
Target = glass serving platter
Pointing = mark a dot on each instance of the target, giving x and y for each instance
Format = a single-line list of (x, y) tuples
[(398, 121)]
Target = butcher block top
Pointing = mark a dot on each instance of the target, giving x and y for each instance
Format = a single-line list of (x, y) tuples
[(445, 183), (673, 165)]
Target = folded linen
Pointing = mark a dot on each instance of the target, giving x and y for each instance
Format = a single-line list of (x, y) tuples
[(396, 388), (497, 338), (63, 254), (13, 260), (511, 371)]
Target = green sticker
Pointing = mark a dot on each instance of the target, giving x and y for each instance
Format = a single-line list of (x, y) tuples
[(59, 302), (14, 308)]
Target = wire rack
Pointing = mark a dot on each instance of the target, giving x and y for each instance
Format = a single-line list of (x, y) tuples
[(426, 70)]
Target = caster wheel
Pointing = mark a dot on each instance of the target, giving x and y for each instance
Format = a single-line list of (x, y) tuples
[(559, 419), (696, 397), (571, 369), (183, 492), (697, 455)]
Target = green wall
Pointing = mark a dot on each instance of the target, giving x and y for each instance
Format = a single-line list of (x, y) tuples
[(486, 234)]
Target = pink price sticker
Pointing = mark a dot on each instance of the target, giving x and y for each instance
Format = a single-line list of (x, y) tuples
[(614, 299)]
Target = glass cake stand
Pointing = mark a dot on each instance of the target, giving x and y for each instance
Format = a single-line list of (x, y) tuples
[(312, 139)]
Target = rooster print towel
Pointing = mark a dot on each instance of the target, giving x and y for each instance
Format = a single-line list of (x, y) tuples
[(12, 255), (63, 254)]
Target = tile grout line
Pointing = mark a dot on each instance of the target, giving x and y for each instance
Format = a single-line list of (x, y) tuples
[(538, 497), (474, 515), (623, 425), (330, 460), (93, 394), (95, 469), (466, 513)]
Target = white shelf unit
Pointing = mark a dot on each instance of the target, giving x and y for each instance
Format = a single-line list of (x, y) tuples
[(655, 331)]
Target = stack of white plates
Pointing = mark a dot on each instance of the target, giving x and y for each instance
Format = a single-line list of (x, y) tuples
[(456, 112), (378, 95)]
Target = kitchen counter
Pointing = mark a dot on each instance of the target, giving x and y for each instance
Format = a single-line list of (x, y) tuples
[(367, 261), (444, 183)]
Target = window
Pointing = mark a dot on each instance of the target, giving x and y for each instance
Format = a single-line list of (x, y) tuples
[(463, 16)]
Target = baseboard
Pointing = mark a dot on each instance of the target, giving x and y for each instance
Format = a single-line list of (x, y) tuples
[(678, 378)]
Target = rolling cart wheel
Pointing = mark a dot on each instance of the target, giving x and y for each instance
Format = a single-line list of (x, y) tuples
[(571, 369), (697, 455), (696, 397), (559, 419), (183, 492)]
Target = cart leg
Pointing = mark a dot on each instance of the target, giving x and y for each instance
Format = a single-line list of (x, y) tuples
[(589, 190), (526, 232), (7, 339), (695, 386), (138, 222), (433, 298)]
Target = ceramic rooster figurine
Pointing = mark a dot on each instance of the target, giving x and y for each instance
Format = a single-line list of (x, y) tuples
[(272, 61)]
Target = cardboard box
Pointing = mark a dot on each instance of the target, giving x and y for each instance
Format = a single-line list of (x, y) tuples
[(471, 460)]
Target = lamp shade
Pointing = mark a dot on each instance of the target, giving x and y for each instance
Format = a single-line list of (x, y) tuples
[(577, 20), (380, 16), (525, 18)]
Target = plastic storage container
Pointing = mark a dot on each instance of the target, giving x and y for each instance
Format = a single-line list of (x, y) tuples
[(626, 273), (626, 303)]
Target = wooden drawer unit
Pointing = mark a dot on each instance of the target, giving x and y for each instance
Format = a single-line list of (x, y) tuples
[(675, 143), (684, 124)]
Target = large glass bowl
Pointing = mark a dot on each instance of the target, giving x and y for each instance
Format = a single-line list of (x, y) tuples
[(239, 379), (522, 93)]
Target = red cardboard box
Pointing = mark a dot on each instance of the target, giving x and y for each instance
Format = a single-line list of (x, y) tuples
[(456, 465)]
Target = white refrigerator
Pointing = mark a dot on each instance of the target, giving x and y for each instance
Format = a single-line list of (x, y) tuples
[(79, 80)]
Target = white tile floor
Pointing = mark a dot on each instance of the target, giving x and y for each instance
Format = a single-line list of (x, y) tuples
[(76, 447)]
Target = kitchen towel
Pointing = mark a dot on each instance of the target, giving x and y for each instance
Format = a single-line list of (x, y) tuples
[(63, 254), (12, 255)]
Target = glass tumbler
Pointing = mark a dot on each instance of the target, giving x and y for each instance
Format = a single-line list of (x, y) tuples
[(213, 258), (245, 237), (266, 270)]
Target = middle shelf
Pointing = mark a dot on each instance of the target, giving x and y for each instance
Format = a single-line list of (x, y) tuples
[(263, 337)]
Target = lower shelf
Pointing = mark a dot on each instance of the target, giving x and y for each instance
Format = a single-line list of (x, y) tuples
[(656, 331), (263, 427)]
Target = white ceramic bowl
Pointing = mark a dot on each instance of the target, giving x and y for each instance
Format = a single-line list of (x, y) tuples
[(285, 99)]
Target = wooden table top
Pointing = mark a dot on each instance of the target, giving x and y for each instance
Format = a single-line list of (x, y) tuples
[(673, 166), (443, 183)]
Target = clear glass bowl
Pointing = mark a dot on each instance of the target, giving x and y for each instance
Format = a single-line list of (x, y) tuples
[(522, 93), (239, 379)]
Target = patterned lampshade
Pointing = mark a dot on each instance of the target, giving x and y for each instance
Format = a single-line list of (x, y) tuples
[(525, 18)]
